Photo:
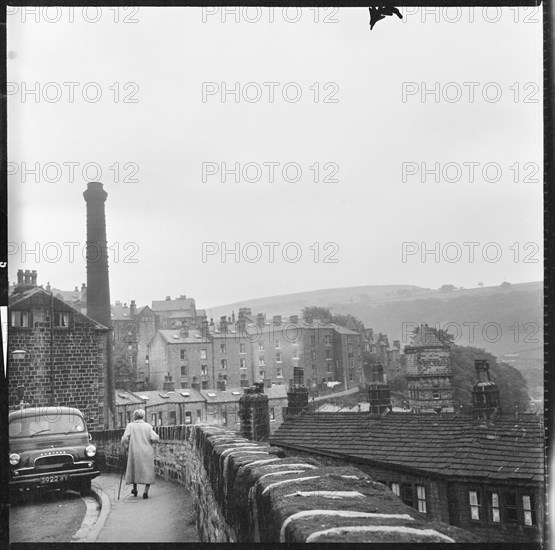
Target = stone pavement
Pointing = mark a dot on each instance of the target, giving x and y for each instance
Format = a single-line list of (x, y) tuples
[(166, 516)]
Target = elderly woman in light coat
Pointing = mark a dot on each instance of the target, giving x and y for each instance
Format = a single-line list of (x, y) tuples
[(138, 438)]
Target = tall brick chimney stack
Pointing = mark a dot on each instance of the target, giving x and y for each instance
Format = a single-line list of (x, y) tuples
[(98, 283)]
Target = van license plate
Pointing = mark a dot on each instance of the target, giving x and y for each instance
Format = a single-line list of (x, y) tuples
[(53, 479)]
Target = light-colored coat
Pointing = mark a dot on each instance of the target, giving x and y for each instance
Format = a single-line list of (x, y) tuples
[(138, 437)]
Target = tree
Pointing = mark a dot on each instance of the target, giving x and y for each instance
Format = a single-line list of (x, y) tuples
[(480, 284), (447, 288), (314, 312), (325, 315), (124, 367)]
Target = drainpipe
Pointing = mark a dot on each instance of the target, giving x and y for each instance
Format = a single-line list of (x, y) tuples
[(52, 349)]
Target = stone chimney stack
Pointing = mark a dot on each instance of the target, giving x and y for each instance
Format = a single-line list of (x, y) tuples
[(485, 394), (260, 319), (27, 278), (98, 283), (34, 277), (223, 324), (379, 394), (20, 277), (132, 308), (254, 413)]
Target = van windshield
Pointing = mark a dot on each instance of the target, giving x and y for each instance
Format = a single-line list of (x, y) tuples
[(45, 424)]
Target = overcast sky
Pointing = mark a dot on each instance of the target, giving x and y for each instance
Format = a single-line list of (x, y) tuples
[(362, 140)]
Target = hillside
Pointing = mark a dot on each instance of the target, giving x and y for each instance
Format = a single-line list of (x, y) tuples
[(507, 321)]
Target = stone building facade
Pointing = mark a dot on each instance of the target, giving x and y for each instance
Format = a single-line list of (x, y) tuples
[(134, 328), (177, 313), (483, 475), (238, 354), (64, 355)]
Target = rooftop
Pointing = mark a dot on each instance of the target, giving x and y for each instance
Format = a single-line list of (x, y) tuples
[(507, 449)]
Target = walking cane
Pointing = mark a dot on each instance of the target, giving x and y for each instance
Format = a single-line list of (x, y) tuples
[(123, 466)]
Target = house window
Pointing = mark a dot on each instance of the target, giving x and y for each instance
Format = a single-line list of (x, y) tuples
[(224, 363), (421, 496), (205, 384), (295, 353), (224, 418), (407, 495), (351, 361), (188, 417), (474, 498), (511, 512), (350, 377), (242, 363), (20, 319), (279, 372), (153, 419), (183, 354), (173, 420), (278, 357), (242, 348), (222, 348), (328, 354), (199, 415), (313, 354), (396, 489), (160, 418), (272, 413), (203, 354), (204, 370), (183, 370), (313, 369), (528, 507), (493, 498), (61, 319), (243, 376), (435, 394), (262, 374), (184, 385), (349, 348), (261, 362), (277, 344), (312, 340), (261, 346)]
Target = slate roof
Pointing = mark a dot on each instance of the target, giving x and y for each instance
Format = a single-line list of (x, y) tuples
[(176, 337), (173, 305), (154, 397), (123, 313), (38, 295), (509, 449), (128, 398), (233, 394)]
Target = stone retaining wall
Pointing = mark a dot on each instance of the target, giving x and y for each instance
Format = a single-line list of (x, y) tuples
[(251, 492)]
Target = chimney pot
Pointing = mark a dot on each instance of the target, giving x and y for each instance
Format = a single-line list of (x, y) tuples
[(168, 298), (294, 319), (20, 276), (277, 319)]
